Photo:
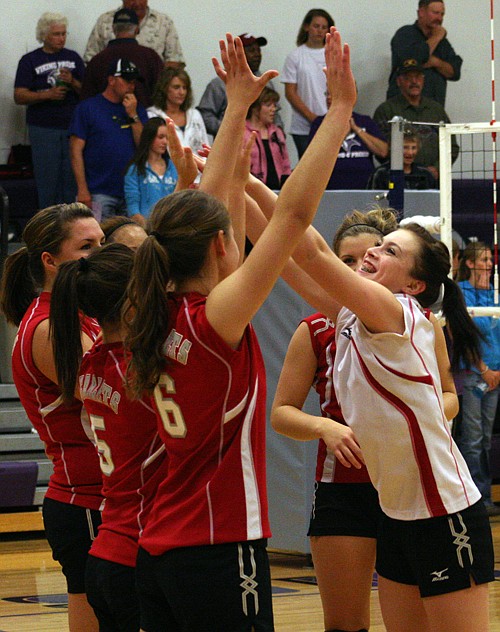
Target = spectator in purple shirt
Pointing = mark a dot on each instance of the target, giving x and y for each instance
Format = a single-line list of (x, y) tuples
[(363, 141), (48, 81)]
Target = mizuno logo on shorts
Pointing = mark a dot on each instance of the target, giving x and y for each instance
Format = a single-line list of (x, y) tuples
[(438, 576)]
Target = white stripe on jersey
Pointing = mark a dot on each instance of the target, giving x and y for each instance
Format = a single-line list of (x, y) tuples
[(252, 499), (254, 521), (47, 409), (231, 414)]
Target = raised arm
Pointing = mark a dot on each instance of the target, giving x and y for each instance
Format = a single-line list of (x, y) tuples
[(374, 304), (242, 89), (182, 157), (233, 302), (236, 200), (297, 279)]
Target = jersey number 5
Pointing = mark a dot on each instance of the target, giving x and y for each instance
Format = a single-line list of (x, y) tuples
[(169, 410), (105, 458)]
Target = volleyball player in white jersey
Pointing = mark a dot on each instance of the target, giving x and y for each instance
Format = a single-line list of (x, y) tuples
[(346, 513), (434, 551)]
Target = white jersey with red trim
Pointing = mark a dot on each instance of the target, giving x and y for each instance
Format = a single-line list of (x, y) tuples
[(212, 419), (328, 467), (390, 393), (64, 429), (132, 455)]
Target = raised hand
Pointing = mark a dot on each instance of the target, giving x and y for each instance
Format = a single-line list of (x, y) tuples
[(339, 78), (242, 167), (182, 157), (130, 104), (241, 84)]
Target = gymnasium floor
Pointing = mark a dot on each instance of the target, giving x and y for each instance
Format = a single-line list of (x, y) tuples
[(32, 597)]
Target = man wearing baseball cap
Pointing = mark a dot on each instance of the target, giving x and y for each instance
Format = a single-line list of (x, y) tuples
[(426, 40), (213, 103), (125, 44), (104, 132), (412, 106), (156, 30)]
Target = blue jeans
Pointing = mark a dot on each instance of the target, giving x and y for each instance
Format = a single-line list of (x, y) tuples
[(476, 428), (104, 206), (54, 178)]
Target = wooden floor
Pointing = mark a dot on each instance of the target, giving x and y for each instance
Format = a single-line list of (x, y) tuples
[(32, 589)]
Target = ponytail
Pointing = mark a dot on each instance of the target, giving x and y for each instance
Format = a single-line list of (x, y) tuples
[(18, 288), (147, 317), (65, 328), (466, 337), (96, 287), (183, 225)]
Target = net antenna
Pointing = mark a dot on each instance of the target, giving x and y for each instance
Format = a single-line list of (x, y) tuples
[(494, 145)]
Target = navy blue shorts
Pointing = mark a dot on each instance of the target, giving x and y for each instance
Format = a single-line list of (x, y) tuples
[(223, 587), (348, 509), (439, 555), (70, 531), (112, 593)]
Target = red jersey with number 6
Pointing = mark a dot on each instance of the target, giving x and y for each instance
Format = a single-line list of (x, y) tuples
[(211, 412)]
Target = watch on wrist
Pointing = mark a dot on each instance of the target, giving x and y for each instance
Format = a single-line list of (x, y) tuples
[(134, 119)]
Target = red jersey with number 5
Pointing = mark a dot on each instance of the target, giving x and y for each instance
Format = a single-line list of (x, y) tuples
[(132, 455), (64, 429)]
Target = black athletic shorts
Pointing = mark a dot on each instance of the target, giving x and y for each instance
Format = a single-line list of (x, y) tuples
[(223, 587), (112, 593), (350, 509), (70, 531), (439, 555)]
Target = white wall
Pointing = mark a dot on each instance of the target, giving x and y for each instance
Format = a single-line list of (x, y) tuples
[(367, 25)]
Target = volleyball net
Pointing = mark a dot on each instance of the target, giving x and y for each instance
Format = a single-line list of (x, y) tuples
[(467, 216), (468, 196)]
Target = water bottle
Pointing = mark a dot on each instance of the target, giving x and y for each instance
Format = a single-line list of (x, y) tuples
[(480, 389)]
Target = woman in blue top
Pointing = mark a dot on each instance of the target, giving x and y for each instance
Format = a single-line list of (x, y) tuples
[(479, 407), (151, 175)]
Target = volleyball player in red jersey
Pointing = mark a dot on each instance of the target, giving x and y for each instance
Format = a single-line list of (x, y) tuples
[(73, 499), (133, 458), (202, 562)]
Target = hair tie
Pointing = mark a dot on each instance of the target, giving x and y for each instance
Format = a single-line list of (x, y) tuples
[(159, 238), (83, 264)]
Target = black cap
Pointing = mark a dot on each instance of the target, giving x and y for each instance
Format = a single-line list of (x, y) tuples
[(125, 16), (409, 65), (123, 68)]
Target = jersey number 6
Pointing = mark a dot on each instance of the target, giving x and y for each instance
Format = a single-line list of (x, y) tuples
[(169, 410)]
